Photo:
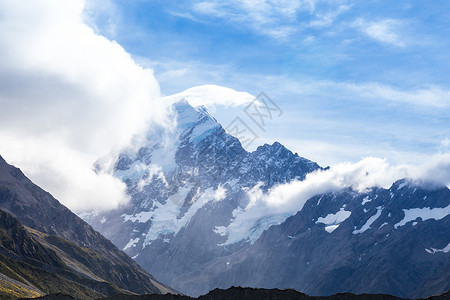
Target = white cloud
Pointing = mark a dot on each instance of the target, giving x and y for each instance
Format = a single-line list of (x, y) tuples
[(220, 193), (102, 16), (212, 95), (65, 172), (403, 139), (365, 174), (360, 176), (68, 96), (334, 151), (436, 170), (273, 18), (324, 19), (385, 31), (287, 199), (433, 96), (174, 76), (187, 16), (445, 145)]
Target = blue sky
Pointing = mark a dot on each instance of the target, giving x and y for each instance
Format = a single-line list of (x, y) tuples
[(354, 78), (80, 78)]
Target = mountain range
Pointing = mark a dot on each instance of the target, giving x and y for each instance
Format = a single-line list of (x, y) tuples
[(203, 214)]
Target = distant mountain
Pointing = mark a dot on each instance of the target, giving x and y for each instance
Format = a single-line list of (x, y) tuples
[(45, 248), (394, 241), (188, 223)]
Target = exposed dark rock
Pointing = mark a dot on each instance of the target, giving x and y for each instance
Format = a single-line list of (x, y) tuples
[(368, 251)]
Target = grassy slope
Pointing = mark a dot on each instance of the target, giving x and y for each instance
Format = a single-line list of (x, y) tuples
[(30, 267), (37, 209)]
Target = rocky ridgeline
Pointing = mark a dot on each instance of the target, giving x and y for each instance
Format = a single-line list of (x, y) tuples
[(190, 186)]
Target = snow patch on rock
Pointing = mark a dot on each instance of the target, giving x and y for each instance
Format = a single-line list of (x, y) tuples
[(425, 213), (370, 221), (446, 249), (332, 221)]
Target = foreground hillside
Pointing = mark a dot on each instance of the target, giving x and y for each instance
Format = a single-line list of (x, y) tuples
[(45, 248), (33, 264)]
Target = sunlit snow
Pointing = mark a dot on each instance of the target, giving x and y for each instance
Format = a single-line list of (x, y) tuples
[(366, 200), (220, 230), (250, 229), (165, 218), (446, 249), (370, 221), (131, 243), (334, 220), (425, 213)]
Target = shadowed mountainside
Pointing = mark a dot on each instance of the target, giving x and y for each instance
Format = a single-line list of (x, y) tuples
[(49, 249)]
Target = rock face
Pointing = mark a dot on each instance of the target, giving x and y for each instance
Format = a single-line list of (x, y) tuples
[(56, 246), (188, 221), (398, 243)]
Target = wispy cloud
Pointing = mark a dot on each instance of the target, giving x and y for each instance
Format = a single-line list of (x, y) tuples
[(445, 146), (278, 19), (426, 96), (187, 16), (327, 18), (404, 124), (385, 31)]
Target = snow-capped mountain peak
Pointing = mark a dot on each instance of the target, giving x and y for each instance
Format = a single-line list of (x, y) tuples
[(193, 121), (155, 152), (178, 172), (198, 202)]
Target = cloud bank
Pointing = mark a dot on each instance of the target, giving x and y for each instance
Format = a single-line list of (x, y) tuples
[(67, 96), (285, 200)]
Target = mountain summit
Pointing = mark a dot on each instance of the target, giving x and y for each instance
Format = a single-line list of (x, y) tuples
[(196, 220)]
